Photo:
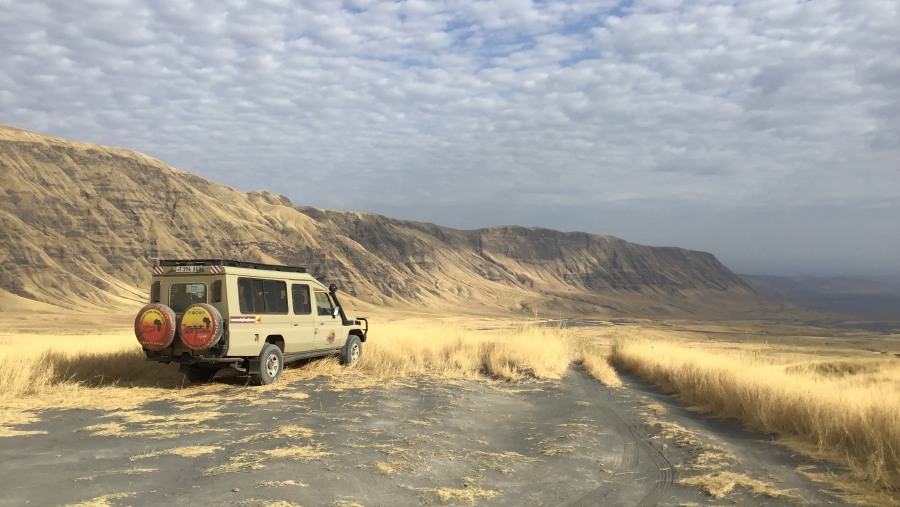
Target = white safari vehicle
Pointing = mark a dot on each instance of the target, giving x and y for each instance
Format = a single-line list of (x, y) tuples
[(209, 314)]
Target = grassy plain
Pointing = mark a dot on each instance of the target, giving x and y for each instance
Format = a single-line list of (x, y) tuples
[(833, 393), (847, 409), (829, 393)]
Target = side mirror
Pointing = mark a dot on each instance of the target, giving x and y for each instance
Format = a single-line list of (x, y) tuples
[(335, 311)]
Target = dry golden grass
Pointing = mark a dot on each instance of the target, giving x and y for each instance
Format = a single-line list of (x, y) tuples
[(847, 408), (455, 350), (255, 460), (9, 418), (252, 502), (850, 489), (447, 495), (236, 464), (248, 461), (280, 484), (84, 371), (388, 467), (596, 362), (298, 453), (107, 430), (719, 484), (127, 471), (710, 467), (288, 431), (109, 372), (86, 359), (191, 451), (346, 503), (134, 423), (101, 501)]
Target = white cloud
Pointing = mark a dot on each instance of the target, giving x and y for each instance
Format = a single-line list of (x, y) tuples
[(507, 103)]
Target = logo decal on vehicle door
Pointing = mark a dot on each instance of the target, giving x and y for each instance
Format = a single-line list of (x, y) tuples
[(331, 336), (243, 319)]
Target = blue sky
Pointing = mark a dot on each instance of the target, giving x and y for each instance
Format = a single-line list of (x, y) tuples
[(766, 132)]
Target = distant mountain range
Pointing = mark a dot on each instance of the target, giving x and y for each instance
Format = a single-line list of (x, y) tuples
[(859, 297), (82, 225)]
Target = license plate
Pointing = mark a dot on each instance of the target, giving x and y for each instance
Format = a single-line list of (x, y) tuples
[(188, 269)]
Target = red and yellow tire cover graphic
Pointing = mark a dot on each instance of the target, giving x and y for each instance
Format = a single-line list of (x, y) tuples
[(201, 326), (154, 326)]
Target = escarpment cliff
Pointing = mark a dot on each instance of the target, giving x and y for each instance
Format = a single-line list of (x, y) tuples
[(82, 224)]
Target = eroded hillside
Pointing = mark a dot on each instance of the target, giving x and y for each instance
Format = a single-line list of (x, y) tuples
[(82, 224)]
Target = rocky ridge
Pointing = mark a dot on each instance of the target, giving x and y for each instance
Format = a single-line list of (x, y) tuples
[(81, 225)]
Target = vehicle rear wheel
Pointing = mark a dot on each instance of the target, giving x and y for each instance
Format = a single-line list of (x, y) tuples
[(271, 362), (196, 374), (352, 351)]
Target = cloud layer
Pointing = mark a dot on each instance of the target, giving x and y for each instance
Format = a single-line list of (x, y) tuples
[(612, 117)]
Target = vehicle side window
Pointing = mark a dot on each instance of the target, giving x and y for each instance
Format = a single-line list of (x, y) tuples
[(259, 299), (276, 296), (300, 295), (262, 296), (245, 295), (323, 304)]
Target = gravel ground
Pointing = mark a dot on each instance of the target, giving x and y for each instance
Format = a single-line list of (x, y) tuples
[(345, 442)]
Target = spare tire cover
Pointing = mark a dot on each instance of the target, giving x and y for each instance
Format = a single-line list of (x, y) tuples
[(154, 326), (201, 326)]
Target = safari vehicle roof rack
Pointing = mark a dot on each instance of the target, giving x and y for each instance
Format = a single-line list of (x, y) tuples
[(231, 263)]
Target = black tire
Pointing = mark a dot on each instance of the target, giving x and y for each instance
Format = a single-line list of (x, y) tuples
[(197, 375), (352, 351), (271, 363)]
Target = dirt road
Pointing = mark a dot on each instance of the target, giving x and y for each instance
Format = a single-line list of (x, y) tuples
[(332, 442)]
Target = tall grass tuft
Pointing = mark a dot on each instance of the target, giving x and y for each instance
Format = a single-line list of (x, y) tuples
[(38, 366), (596, 361), (64, 370), (526, 350), (850, 410)]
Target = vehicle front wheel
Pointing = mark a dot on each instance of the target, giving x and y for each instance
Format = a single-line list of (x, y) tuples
[(352, 351), (271, 362)]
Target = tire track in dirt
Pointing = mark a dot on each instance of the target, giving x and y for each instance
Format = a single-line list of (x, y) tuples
[(635, 445), (665, 475)]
